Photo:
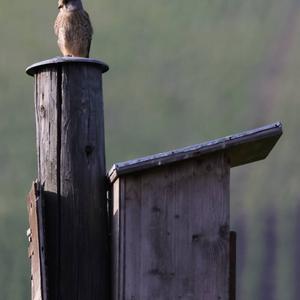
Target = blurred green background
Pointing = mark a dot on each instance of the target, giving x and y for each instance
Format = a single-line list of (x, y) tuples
[(182, 72)]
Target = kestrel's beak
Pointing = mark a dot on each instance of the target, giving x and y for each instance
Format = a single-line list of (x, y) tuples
[(60, 4)]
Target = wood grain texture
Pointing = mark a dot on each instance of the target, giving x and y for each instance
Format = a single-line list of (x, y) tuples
[(34, 245), (240, 148), (47, 135), (174, 233), (115, 244), (71, 165)]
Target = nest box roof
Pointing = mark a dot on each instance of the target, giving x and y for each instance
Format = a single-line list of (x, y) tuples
[(241, 148)]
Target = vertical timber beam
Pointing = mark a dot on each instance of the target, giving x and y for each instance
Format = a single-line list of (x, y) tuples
[(36, 243), (71, 167)]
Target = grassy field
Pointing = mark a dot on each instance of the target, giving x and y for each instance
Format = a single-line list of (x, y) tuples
[(181, 73)]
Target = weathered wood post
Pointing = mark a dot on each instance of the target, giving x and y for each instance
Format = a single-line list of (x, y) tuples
[(171, 227), (71, 169)]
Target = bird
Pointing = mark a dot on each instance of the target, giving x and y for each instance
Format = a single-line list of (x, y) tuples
[(73, 29)]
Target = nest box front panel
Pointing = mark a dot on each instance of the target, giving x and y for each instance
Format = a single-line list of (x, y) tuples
[(171, 231)]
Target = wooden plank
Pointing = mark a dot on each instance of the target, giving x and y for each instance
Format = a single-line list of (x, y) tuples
[(122, 241), (115, 239), (175, 241), (47, 91), (40, 204), (241, 148), (33, 250), (118, 239), (36, 249), (132, 240)]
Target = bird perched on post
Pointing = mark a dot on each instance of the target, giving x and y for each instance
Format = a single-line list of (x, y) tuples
[(73, 29)]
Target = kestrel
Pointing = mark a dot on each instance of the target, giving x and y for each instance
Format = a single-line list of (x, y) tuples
[(73, 29)]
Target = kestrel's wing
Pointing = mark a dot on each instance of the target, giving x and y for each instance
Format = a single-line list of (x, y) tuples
[(88, 23), (88, 31), (57, 24)]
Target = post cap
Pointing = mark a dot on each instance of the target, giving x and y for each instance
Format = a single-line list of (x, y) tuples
[(59, 60)]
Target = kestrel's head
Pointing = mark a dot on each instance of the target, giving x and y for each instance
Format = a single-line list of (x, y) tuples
[(69, 4)]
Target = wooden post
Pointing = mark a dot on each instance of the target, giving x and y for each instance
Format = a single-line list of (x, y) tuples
[(170, 225), (71, 169)]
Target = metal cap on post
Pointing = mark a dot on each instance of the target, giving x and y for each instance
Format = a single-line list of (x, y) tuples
[(71, 169)]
